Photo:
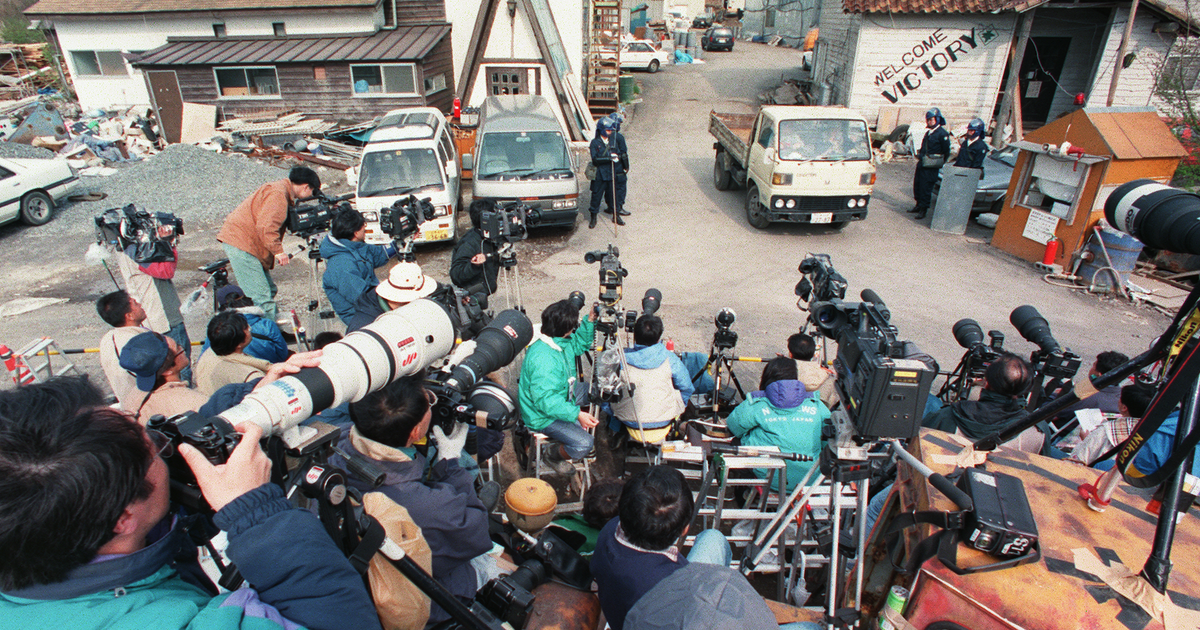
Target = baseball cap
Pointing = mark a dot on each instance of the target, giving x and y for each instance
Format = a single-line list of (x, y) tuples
[(227, 294), (143, 356)]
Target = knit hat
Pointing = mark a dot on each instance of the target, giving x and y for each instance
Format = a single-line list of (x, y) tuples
[(406, 283), (143, 356)]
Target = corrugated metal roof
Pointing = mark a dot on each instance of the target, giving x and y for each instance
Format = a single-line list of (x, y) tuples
[(937, 6), (85, 7), (406, 42)]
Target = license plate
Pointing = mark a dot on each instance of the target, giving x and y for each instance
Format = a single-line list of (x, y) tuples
[(822, 217), (441, 235)]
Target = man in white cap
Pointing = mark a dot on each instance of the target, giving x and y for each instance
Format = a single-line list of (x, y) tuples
[(406, 283)]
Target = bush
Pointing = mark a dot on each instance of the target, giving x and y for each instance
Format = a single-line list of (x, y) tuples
[(15, 30)]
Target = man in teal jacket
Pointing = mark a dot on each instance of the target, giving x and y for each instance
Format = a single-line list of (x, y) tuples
[(548, 394), (782, 414), (90, 541)]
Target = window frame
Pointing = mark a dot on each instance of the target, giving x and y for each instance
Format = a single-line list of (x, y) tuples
[(1026, 180), (417, 83), (99, 65), (433, 78), (217, 82)]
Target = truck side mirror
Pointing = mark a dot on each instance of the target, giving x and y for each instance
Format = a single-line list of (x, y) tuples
[(449, 168), (468, 161)]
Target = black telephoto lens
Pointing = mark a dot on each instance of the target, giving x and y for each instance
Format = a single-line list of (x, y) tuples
[(495, 346), (725, 318), (968, 333), (651, 301), (577, 299), (1034, 328)]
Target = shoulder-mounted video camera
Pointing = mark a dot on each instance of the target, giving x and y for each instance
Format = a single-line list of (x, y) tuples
[(508, 223), (403, 219), (306, 219), (153, 235)]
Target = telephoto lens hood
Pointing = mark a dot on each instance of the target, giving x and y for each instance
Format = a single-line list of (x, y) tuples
[(1034, 328), (495, 347), (1159, 216), (651, 301), (968, 333)]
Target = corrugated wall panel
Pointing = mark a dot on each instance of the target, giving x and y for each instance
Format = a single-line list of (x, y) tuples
[(418, 11), (1137, 82)]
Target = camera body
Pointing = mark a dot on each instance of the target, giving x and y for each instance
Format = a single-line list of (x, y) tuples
[(215, 438), (311, 218), (821, 282), (612, 276), (154, 235), (723, 337), (508, 223), (403, 219)]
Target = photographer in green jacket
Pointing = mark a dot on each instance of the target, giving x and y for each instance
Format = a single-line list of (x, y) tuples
[(549, 394)]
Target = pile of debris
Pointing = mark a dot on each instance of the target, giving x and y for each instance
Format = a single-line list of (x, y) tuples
[(296, 136), (27, 70)]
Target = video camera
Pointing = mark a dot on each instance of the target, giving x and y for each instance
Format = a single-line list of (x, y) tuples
[(508, 223), (883, 392), (309, 219), (404, 217), (154, 235), (612, 276), (723, 337)]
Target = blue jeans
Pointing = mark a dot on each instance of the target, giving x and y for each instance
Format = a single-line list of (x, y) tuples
[(179, 334), (254, 280), (875, 506), (575, 440)]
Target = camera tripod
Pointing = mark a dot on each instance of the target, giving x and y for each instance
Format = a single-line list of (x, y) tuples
[(720, 359), (318, 308), (507, 253)]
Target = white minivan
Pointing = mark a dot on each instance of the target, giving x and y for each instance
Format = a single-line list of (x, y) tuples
[(410, 152)]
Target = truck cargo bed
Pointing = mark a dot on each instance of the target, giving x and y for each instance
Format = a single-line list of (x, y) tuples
[(732, 131)]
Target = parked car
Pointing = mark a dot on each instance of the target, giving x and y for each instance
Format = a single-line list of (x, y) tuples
[(30, 188), (717, 38), (643, 54), (704, 20)]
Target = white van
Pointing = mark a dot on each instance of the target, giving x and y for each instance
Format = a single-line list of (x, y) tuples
[(410, 153), (521, 152)]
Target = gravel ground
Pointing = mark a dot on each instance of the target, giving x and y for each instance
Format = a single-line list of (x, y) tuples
[(18, 150)]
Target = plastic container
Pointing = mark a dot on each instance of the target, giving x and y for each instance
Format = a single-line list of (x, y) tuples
[(627, 86), (1122, 248)]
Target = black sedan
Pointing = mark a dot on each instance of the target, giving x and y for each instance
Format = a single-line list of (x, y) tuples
[(717, 38)]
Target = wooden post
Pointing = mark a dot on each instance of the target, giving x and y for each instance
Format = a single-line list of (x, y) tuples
[(1013, 82), (1117, 67)]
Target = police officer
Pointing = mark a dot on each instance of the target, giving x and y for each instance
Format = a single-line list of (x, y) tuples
[(973, 148), (607, 159), (935, 149)]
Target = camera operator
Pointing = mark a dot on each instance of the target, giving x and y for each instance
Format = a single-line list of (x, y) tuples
[(476, 264), (406, 283), (816, 377), (643, 581), (1001, 403), (350, 262), (226, 361), (548, 393), (252, 235), (151, 285), (1106, 400), (127, 317), (782, 413), (452, 518), (1134, 401), (662, 385), (90, 539), (156, 362)]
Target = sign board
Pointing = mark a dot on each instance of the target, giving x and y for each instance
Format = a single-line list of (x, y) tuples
[(1040, 226)]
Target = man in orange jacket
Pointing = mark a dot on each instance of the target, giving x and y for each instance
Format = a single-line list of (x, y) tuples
[(252, 236)]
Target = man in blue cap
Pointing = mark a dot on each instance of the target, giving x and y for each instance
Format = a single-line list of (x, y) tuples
[(935, 149)]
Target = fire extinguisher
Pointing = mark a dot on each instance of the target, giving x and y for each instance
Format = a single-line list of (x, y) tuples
[(1051, 252), (457, 108)]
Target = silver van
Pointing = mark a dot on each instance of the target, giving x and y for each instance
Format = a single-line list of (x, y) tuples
[(522, 153)]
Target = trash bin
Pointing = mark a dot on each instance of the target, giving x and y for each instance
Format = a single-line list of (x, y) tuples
[(954, 200)]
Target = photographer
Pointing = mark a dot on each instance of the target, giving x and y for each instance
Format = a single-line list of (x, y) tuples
[(406, 283), (475, 264), (226, 361), (252, 235), (548, 393), (90, 539), (127, 317), (151, 285), (1000, 404), (784, 414), (350, 262), (156, 362), (267, 341), (662, 385), (452, 519)]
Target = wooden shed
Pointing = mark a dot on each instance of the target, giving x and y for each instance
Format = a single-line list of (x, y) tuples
[(1066, 170)]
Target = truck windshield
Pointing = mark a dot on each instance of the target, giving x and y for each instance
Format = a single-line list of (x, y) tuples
[(827, 140), (399, 172), (523, 154)]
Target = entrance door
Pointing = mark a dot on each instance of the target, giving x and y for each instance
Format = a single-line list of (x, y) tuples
[(1040, 70), (168, 102)]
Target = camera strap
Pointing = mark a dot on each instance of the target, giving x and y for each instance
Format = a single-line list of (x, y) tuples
[(370, 542), (943, 544)]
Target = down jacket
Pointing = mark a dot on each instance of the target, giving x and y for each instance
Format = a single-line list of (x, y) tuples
[(784, 415)]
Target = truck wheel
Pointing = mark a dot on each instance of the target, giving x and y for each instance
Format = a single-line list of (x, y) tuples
[(722, 178), (653, 67), (756, 214)]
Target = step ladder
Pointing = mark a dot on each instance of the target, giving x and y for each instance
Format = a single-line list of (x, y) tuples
[(37, 362)]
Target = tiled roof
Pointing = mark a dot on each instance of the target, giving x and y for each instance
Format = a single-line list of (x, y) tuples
[(85, 7), (406, 42), (937, 6)]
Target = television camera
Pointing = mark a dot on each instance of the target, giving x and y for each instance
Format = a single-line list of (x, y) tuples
[(505, 225), (307, 219), (153, 235), (612, 277)]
